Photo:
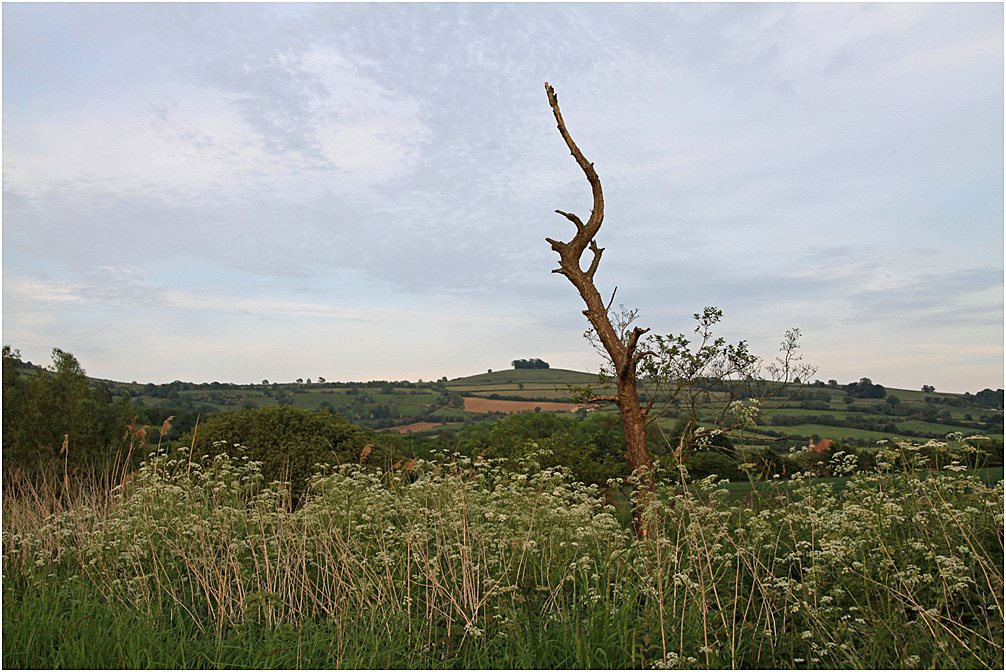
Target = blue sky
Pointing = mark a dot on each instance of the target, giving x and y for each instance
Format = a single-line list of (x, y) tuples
[(238, 192)]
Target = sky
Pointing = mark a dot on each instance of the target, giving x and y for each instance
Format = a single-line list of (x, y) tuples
[(248, 192)]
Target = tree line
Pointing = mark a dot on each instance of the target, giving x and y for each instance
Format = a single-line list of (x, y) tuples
[(56, 421)]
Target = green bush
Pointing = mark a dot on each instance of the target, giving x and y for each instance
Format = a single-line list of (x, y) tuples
[(705, 463), (593, 449), (288, 442)]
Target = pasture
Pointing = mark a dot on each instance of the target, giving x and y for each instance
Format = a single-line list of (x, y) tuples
[(825, 411)]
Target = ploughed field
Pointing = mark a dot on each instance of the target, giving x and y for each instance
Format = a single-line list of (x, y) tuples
[(481, 405)]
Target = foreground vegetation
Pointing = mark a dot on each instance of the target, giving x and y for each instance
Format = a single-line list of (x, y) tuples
[(502, 563)]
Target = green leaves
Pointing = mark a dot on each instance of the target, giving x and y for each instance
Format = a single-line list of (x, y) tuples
[(676, 359), (289, 441), (42, 406)]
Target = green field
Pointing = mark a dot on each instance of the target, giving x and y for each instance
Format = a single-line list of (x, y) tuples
[(843, 434), (387, 404), (534, 384), (818, 410), (546, 377)]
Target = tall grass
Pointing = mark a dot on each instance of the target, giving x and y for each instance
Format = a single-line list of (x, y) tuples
[(460, 563)]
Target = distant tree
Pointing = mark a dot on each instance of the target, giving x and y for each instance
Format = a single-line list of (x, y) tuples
[(264, 382), (321, 379), (928, 389), (989, 399), (300, 381), (865, 389), (893, 400)]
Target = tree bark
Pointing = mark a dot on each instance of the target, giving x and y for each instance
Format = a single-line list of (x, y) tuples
[(624, 355)]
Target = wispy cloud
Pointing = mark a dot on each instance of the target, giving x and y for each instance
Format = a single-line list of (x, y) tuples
[(394, 168)]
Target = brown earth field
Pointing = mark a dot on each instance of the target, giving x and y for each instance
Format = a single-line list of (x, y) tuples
[(416, 427), (479, 405)]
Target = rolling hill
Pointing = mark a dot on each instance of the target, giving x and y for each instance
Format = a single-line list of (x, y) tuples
[(817, 411)]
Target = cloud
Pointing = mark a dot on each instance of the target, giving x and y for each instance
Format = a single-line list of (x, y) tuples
[(200, 139), (283, 163), (129, 288)]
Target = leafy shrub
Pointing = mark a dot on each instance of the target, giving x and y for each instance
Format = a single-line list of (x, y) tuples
[(592, 449), (288, 442), (705, 463)]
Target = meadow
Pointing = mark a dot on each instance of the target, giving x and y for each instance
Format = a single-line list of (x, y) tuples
[(194, 561)]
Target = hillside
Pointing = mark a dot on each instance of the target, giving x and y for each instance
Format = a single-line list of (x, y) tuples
[(817, 411), (538, 384), (858, 413)]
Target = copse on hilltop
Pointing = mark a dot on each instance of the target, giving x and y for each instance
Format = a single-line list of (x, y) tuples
[(529, 364)]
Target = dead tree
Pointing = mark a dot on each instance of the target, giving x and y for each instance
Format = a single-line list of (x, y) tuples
[(623, 353), (673, 369)]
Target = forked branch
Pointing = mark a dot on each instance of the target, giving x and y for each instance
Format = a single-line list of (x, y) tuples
[(569, 253)]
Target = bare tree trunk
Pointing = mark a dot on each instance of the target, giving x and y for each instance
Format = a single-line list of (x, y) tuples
[(624, 355)]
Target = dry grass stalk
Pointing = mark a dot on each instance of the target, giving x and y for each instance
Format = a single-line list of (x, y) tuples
[(195, 430)]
